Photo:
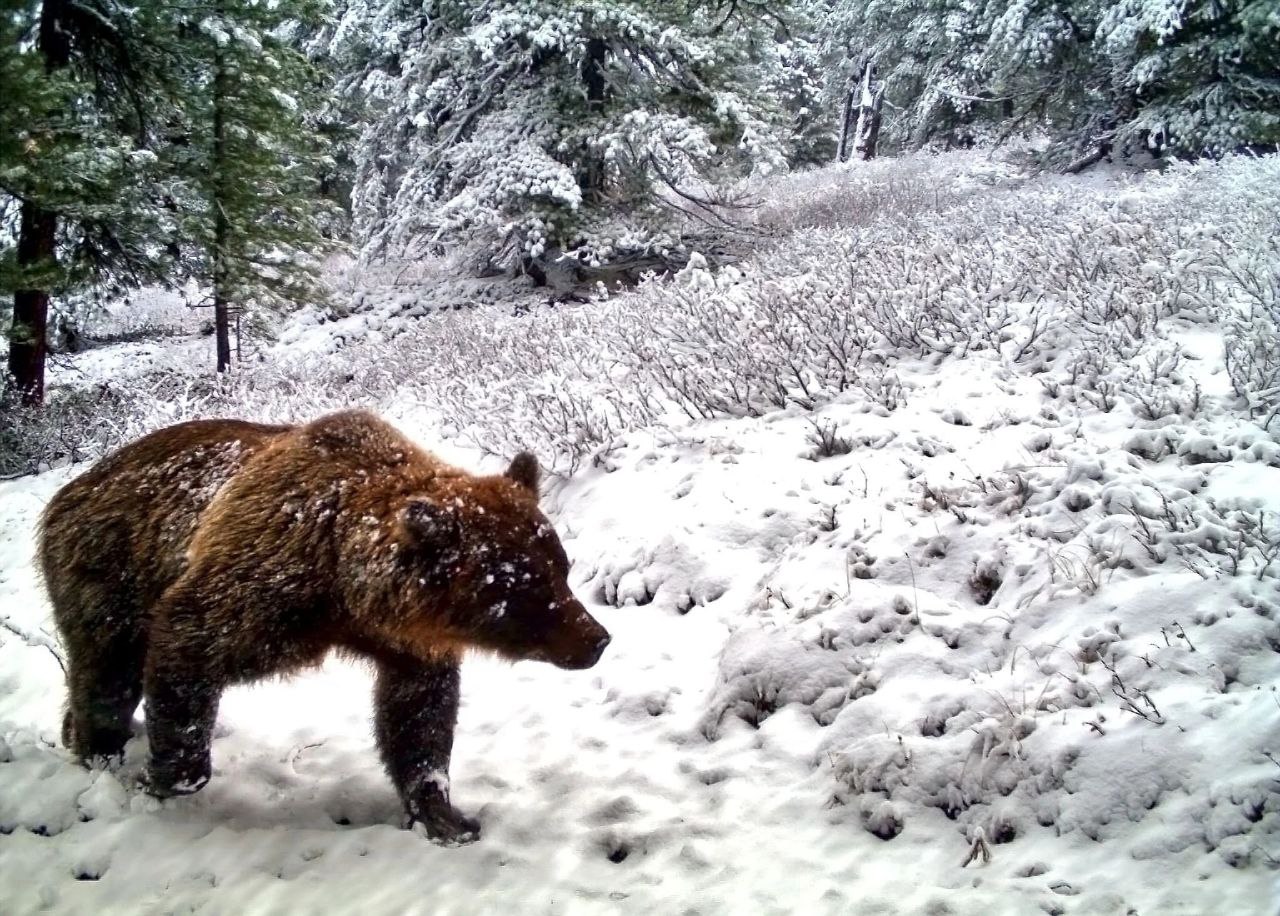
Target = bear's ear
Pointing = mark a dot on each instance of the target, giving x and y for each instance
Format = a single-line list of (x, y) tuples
[(430, 525), (524, 471)]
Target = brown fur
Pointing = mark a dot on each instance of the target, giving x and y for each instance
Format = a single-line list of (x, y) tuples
[(218, 552)]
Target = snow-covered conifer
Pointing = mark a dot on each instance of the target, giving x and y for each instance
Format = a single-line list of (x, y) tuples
[(81, 203), (250, 165), (533, 128)]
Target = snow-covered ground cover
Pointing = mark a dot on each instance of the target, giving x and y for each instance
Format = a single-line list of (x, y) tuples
[(945, 526)]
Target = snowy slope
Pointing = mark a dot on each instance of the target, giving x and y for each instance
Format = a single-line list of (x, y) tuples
[(1019, 605)]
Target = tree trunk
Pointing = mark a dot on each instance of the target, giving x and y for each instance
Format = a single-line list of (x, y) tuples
[(871, 96), (846, 127), (1095, 155), (221, 312), (28, 337), (591, 173), (37, 243)]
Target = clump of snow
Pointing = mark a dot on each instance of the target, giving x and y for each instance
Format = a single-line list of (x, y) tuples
[(762, 670)]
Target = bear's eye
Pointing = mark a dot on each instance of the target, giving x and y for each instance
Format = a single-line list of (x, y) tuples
[(551, 547)]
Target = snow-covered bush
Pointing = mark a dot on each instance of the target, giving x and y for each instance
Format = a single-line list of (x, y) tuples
[(1071, 285), (900, 190), (82, 423), (1253, 318)]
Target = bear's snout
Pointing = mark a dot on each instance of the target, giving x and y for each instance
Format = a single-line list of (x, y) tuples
[(593, 654), (581, 642)]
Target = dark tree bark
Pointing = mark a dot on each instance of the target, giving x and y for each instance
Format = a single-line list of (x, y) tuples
[(37, 242), (846, 126), (591, 174), (28, 339), (1095, 155), (593, 72)]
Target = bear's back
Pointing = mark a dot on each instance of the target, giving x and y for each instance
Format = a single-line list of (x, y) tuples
[(132, 515)]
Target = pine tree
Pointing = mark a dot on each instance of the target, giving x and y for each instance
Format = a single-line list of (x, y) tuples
[(789, 69), (334, 113), (252, 167), (78, 192), (532, 128), (1199, 77)]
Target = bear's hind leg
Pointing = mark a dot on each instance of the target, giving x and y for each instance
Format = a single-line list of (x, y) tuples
[(106, 648), (182, 690), (416, 709), (104, 687)]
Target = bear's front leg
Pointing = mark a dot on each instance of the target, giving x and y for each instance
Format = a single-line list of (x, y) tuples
[(181, 691), (416, 710)]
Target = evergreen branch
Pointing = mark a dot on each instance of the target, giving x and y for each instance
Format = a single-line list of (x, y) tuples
[(704, 205)]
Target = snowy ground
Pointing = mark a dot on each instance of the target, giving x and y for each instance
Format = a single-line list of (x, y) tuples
[(1012, 602)]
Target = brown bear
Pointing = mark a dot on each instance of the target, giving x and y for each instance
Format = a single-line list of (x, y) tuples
[(217, 552)]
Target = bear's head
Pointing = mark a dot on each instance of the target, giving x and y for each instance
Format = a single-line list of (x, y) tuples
[(494, 570)]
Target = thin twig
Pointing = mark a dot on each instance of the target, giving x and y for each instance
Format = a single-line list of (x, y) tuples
[(41, 641)]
